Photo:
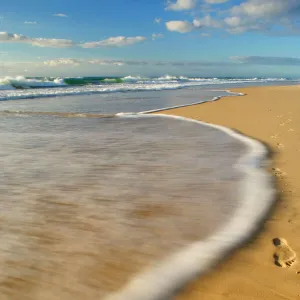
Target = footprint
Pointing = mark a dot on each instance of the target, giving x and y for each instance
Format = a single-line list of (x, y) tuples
[(291, 130), (284, 256), (278, 173), (280, 146)]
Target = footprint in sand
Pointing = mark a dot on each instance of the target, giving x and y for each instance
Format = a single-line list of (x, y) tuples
[(280, 146), (287, 121), (291, 130), (284, 256), (278, 173)]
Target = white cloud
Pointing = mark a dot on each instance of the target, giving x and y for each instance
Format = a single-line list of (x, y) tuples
[(207, 21), (39, 42), (118, 41), (233, 21), (60, 15), (30, 23), (262, 15), (238, 25), (182, 5), (267, 60), (184, 26), (102, 62), (262, 8), (204, 34), (157, 20), (156, 36), (279, 17), (12, 37), (62, 61), (215, 1), (179, 26), (52, 43), (106, 62)]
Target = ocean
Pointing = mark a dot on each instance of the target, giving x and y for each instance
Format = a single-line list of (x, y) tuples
[(102, 200)]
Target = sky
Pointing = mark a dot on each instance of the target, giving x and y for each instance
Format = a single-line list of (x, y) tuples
[(150, 37)]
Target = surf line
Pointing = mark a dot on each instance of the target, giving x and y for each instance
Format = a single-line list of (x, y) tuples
[(161, 281)]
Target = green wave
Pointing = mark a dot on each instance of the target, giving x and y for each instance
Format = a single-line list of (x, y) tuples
[(92, 80)]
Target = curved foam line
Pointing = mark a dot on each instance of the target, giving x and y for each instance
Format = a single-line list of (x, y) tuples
[(229, 92), (161, 281), (194, 103)]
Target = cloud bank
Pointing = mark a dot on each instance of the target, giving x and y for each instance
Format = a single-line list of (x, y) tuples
[(179, 26), (182, 5), (107, 62), (118, 41), (267, 60), (62, 61), (280, 17), (39, 42)]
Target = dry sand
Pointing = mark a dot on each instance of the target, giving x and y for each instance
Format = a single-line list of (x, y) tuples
[(270, 114)]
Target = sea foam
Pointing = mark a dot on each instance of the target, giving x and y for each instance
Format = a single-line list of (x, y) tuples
[(21, 87), (257, 191)]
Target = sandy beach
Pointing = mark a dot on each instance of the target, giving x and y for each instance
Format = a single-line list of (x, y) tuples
[(61, 233), (269, 114)]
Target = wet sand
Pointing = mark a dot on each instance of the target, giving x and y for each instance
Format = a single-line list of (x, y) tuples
[(87, 203), (270, 114)]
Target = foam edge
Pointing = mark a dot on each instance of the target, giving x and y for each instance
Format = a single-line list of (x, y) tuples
[(230, 94), (162, 281)]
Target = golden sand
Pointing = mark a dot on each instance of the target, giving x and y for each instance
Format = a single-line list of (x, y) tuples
[(272, 115)]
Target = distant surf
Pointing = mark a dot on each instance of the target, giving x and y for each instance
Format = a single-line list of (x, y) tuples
[(20, 87), (119, 197)]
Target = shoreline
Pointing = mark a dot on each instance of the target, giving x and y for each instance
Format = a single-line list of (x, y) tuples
[(233, 94), (267, 118), (162, 280), (250, 273)]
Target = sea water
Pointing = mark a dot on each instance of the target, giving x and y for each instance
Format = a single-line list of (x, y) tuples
[(125, 206)]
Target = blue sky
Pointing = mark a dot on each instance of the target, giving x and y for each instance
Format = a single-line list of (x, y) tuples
[(143, 37)]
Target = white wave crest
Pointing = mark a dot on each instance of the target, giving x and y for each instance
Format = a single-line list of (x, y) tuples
[(20, 82), (135, 79), (21, 87)]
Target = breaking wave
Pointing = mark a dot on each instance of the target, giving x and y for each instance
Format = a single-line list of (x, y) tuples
[(21, 82), (21, 87)]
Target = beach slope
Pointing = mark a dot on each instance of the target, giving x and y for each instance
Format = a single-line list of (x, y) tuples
[(271, 115)]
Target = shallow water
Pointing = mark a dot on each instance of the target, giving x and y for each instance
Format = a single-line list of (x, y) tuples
[(90, 199), (113, 103), (87, 203)]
